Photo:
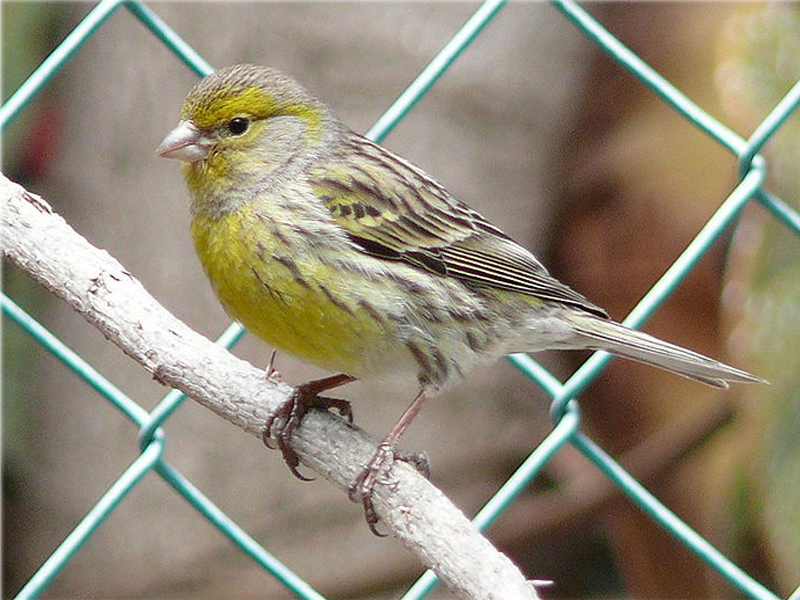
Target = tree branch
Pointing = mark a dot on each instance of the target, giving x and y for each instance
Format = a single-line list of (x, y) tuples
[(98, 287)]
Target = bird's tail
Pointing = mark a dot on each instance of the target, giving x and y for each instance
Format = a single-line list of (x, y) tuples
[(602, 334)]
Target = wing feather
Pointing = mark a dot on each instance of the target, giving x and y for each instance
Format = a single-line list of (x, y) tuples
[(393, 210)]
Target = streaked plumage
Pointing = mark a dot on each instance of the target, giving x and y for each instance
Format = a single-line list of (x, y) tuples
[(337, 251)]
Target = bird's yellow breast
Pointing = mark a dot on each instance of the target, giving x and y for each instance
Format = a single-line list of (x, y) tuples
[(288, 296)]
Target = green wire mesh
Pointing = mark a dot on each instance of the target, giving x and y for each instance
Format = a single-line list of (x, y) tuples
[(565, 410)]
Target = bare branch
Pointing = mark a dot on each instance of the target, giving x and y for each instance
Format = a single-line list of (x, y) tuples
[(105, 294)]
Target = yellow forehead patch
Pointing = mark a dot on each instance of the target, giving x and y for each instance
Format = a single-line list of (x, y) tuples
[(218, 106)]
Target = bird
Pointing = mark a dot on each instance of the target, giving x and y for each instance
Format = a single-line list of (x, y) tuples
[(339, 252)]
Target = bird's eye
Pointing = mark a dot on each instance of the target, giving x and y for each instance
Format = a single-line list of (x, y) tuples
[(238, 125)]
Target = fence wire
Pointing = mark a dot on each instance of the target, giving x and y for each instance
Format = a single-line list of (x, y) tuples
[(564, 409)]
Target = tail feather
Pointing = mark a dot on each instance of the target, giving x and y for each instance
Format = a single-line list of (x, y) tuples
[(601, 334)]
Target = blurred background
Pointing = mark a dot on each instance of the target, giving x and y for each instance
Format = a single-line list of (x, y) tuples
[(548, 138)]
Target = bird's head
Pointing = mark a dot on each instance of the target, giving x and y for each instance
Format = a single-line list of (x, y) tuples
[(242, 123)]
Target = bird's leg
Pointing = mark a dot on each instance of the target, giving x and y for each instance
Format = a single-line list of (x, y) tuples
[(378, 466), (290, 414)]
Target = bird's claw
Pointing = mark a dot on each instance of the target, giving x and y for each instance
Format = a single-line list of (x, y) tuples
[(418, 460), (282, 424), (377, 471)]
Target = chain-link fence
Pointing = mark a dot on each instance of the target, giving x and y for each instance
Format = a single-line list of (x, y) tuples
[(565, 410)]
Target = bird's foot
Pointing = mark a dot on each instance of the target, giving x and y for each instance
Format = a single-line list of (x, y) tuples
[(377, 471), (284, 422)]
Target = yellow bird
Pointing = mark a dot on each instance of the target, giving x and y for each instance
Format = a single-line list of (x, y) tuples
[(337, 251)]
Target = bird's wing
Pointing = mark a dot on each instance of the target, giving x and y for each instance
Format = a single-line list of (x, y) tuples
[(393, 210)]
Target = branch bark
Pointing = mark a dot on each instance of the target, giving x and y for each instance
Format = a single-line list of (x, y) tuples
[(98, 287)]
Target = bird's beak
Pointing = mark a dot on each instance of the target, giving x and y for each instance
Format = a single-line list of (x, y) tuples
[(183, 143)]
